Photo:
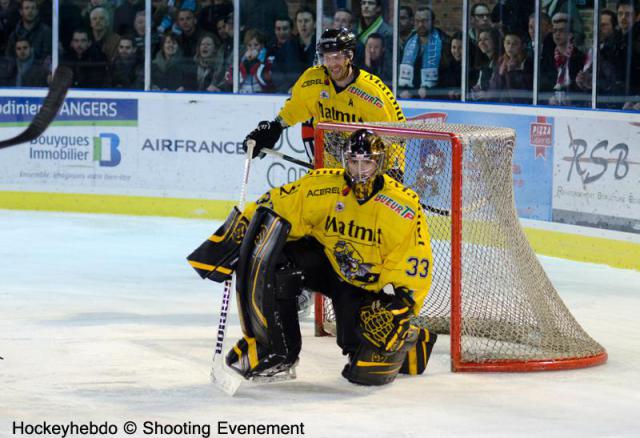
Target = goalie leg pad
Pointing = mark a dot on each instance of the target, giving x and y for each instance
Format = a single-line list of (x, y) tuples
[(216, 258), (267, 287), (417, 358), (371, 366), (250, 359)]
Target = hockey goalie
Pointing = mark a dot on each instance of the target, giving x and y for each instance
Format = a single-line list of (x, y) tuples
[(353, 234)]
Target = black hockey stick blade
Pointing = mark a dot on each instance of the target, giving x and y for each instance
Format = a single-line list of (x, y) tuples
[(49, 109)]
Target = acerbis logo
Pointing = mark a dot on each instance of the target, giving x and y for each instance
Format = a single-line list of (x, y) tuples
[(77, 149), (105, 150)]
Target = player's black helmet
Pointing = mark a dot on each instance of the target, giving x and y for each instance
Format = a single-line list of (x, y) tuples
[(334, 40), (363, 159)]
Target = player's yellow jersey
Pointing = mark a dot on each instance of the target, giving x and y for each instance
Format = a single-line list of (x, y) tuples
[(366, 99), (383, 241)]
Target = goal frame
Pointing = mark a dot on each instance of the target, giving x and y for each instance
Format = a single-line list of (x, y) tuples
[(457, 364)]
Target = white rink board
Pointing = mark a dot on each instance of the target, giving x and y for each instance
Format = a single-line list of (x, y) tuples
[(597, 168), (183, 146), (187, 146)]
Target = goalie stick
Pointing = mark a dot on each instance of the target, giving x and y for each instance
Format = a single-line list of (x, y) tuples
[(50, 106), (221, 376)]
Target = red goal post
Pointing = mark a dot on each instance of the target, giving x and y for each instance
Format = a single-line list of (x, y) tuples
[(489, 292)]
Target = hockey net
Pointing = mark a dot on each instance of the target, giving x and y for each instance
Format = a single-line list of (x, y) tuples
[(489, 291)]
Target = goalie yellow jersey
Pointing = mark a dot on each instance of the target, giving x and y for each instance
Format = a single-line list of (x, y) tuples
[(366, 99), (382, 241)]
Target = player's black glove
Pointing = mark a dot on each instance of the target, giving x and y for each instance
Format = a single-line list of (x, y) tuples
[(385, 322), (266, 135)]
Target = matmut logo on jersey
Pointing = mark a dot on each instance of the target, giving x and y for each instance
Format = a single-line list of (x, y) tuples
[(350, 229), (404, 211), (329, 112)]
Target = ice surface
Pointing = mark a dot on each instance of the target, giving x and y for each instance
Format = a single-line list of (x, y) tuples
[(101, 318)]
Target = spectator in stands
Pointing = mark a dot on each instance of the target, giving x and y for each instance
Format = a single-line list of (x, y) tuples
[(452, 74), (282, 28), (125, 14), (343, 19), (101, 35), (489, 44), (479, 21), (91, 5), (568, 61), (168, 71), (88, 63), (139, 25), (371, 20), (261, 14), (552, 7), (209, 64), (160, 16), (297, 54), (209, 15), (513, 15), (224, 28), (29, 72), (426, 53), (9, 17), (607, 83), (70, 20), (513, 78), (608, 25), (405, 26), (255, 67), (127, 70), (627, 42), (189, 33), (375, 59), (31, 28), (546, 31), (45, 12)]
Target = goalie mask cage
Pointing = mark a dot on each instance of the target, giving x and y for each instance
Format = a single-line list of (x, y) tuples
[(489, 291)]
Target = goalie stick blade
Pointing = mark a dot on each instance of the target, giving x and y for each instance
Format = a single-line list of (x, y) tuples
[(223, 378), (50, 106)]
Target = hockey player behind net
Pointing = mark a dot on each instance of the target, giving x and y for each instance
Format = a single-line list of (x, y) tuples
[(333, 91), (338, 232)]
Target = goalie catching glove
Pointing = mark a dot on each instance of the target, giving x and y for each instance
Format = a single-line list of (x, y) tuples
[(266, 135), (385, 325)]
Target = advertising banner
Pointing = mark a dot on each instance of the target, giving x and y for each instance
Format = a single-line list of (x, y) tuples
[(597, 173), (82, 151), (153, 145)]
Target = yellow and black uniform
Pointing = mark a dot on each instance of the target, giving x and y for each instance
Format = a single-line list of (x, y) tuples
[(366, 99), (368, 245)]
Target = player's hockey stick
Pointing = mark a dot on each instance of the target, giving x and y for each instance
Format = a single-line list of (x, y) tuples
[(49, 109), (438, 211), (221, 376)]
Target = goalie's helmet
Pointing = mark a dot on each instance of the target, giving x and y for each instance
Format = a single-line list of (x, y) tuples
[(336, 40), (363, 159)]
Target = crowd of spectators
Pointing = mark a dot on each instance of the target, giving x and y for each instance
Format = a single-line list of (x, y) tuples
[(192, 49)]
